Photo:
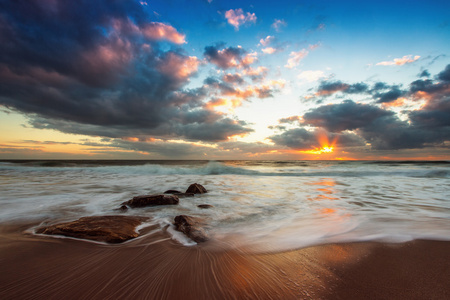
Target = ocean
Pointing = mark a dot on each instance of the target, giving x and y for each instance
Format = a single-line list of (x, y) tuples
[(260, 205)]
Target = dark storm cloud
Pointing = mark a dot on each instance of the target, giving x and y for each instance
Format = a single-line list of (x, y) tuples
[(357, 88), (435, 115), (445, 74), (391, 95), (425, 73), (302, 139), (383, 129), (213, 132), (328, 88), (96, 67), (380, 91), (347, 115)]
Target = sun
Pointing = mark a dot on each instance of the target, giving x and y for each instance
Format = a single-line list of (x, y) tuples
[(325, 149), (325, 146)]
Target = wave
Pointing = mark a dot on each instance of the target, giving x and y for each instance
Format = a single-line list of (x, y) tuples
[(263, 168)]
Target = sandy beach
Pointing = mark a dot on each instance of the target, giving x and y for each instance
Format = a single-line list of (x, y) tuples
[(156, 267)]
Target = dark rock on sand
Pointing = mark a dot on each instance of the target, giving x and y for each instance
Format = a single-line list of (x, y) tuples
[(191, 226), (152, 200), (110, 229), (196, 188), (205, 206)]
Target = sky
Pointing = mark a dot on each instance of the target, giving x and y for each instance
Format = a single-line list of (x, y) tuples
[(212, 79)]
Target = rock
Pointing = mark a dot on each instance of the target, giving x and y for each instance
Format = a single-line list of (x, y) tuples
[(196, 188), (172, 192), (152, 200), (191, 227), (122, 208), (110, 229), (205, 206)]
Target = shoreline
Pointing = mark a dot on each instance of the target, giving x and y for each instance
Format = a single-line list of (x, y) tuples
[(154, 267)]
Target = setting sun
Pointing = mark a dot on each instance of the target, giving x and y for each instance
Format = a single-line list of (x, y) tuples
[(325, 145)]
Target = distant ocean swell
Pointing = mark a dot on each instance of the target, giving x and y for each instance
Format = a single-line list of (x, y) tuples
[(348, 169)]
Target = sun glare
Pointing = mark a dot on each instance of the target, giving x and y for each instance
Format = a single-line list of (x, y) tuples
[(325, 146)]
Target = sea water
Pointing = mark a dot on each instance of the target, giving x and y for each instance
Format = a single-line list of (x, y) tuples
[(263, 204)]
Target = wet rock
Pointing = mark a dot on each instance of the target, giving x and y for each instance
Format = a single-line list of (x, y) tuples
[(205, 206), (191, 227), (196, 188), (122, 208), (152, 200), (109, 229), (172, 192)]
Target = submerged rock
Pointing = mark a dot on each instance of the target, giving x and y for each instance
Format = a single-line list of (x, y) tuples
[(191, 227), (110, 229), (152, 200), (172, 192), (205, 206), (196, 188)]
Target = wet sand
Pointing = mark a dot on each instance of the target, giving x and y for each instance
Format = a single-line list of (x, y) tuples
[(155, 267)]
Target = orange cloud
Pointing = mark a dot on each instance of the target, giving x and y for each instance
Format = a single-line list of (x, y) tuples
[(161, 31), (179, 66), (407, 59), (248, 59), (269, 50), (255, 72), (397, 103)]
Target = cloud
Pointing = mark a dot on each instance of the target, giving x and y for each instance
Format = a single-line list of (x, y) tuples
[(393, 94), (425, 73), (302, 139), (407, 59), (347, 115), (231, 57), (267, 41), (445, 74), (269, 50), (103, 73), (278, 24), (327, 88), (380, 91), (237, 18), (290, 120), (379, 127), (295, 58), (310, 75), (256, 74), (233, 78), (160, 31), (179, 66)]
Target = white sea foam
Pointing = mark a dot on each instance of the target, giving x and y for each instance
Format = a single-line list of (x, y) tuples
[(264, 204)]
